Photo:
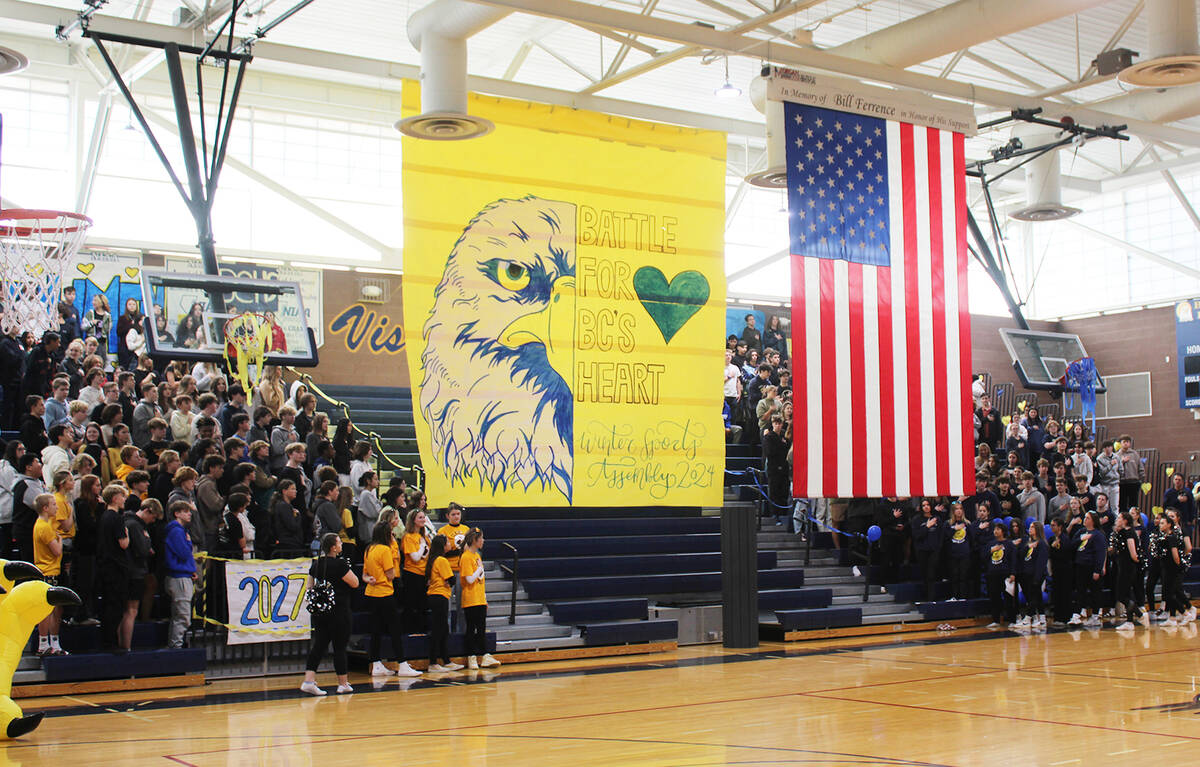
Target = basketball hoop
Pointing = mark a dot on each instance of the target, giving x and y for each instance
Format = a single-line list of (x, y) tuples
[(247, 337), (36, 246)]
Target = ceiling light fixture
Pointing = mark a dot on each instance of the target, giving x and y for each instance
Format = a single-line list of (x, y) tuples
[(728, 90)]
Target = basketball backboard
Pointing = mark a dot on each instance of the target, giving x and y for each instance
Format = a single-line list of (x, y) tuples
[(213, 300), (1041, 358)]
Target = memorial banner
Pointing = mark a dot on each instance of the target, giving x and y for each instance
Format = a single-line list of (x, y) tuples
[(266, 600), (563, 287)]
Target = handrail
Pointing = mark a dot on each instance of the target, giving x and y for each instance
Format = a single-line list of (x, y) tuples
[(515, 572), (417, 470)]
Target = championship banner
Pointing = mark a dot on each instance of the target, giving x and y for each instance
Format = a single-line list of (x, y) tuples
[(266, 600), (563, 284)]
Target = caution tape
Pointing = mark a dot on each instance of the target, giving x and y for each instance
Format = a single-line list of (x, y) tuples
[(200, 606)]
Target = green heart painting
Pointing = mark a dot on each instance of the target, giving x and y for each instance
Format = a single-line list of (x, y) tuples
[(671, 304)]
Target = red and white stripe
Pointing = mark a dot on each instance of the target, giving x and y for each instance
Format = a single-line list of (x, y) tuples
[(882, 390)]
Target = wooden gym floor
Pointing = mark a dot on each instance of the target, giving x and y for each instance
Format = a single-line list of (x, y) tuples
[(966, 698)]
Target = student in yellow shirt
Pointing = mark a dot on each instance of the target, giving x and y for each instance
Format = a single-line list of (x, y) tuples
[(439, 575), (455, 531), (415, 549), (348, 533), (47, 556), (474, 601), (379, 570), (64, 506)]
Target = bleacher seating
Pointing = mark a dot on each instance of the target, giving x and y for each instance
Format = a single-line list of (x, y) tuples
[(87, 666), (820, 618), (629, 632)]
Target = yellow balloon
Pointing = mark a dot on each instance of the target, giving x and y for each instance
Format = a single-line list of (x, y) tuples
[(1146, 487), (1156, 509), (1116, 446), (1021, 406), (1004, 419), (1066, 426), (1170, 470)]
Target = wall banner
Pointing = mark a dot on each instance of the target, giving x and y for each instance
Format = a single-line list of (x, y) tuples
[(563, 287), (311, 288), (116, 276), (266, 600)]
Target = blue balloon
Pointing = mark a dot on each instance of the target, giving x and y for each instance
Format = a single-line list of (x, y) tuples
[(874, 533), (1049, 531), (1008, 521), (1028, 521), (1145, 521)]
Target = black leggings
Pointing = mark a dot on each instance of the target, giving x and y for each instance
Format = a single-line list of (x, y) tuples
[(1153, 574), (385, 619), (414, 602), (475, 640), (929, 570), (1002, 602), (1087, 589), (439, 629), (959, 566), (114, 592), (1128, 573), (1062, 591), (331, 628), (1172, 587), (1031, 587)]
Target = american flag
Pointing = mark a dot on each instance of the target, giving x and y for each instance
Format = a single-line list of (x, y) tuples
[(881, 392)]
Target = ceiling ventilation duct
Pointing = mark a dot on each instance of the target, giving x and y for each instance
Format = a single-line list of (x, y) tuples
[(1043, 183), (1173, 52), (440, 31), (775, 174)]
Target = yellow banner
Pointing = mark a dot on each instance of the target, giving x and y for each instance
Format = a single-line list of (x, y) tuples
[(566, 275)]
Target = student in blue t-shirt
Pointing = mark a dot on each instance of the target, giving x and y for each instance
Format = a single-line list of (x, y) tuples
[(1001, 573)]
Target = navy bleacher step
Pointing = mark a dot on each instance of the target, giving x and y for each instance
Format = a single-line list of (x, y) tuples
[(529, 548), (582, 527), (86, 639), (629, 632), (794, 599), (88, 666), (821, 618), (594, 611), (637, 564), (479, 513), (948, 611), (739, 450), (341, 391), (913, 591), (543, 590)]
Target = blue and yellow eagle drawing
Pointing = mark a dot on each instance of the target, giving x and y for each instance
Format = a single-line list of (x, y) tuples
[(499, 350)]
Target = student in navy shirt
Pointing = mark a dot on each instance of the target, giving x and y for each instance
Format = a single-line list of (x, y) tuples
[(1032, 557), (1127, 561), (958, 551), (928, 534), (1180, 498), (1091, 552), (1062, 571), (981, 539), (1000, 573), (983, 496)]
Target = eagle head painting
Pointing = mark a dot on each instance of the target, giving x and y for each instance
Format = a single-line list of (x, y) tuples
[(498, 350)]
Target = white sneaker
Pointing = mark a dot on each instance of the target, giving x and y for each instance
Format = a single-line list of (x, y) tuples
[(472, 663), (1041, 621), (1126, 626), (1022, 621), (1169, 622), (855, 571), (378, 669), (453, 667), (487, 661), (1145, 620), (1093, 622), (1075, 620), (993, 625), (406, 670), (435, 668), (312, 689), (344, 689), (1161, 615)]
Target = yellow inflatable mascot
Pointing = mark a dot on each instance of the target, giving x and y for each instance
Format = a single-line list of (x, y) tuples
[(12, 573), (23, 607)]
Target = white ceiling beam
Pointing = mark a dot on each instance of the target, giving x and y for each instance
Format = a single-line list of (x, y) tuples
[(1184, 202), (619, 57), (738, 15), (1014, 76), (518, 60), (1135, 250), (734, 42), (629, 40), (1122, 28), (952, 63), (561, 59), (668, 57)]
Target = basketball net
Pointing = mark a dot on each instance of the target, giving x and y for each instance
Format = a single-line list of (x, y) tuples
[(247, 337), (36, 247)]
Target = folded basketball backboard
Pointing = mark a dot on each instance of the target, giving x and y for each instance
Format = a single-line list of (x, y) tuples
[(186, 316), (1041, 359)]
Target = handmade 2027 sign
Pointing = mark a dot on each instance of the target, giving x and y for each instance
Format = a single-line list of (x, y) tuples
[(566, 273)]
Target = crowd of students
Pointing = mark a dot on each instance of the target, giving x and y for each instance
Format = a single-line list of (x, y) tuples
[(122, 471)]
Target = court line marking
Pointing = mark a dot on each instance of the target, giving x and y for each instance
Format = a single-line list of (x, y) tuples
[(1007, 717)]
